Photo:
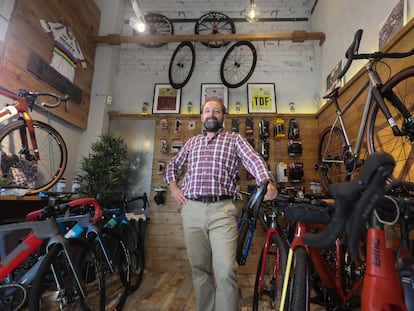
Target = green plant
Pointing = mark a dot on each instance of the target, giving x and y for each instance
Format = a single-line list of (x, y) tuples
[(103, 169)]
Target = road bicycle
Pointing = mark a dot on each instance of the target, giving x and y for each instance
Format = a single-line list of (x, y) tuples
[(77, 219), (116, 216), (386, 120), (44, 261), (33, 154), (272, 263), (352, 277)]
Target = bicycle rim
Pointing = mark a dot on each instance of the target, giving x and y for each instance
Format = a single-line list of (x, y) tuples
[(42, 174), (331, 157), (214, 23), (136, 252), (46, 295), (238, 64), (156, 25), (181, 65), (241, 241), (268, 287), (380, 136)]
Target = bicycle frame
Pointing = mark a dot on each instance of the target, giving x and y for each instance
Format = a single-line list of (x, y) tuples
[(252, 227)]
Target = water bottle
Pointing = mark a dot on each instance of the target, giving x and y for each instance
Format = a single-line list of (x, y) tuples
[(61, 185)]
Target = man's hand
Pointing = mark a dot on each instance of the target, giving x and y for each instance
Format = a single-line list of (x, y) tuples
[(176, 193), (271, 192)]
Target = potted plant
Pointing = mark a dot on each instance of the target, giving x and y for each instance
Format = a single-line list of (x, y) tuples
[(103, 170)]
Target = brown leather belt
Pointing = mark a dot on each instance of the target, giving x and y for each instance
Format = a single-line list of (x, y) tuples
[(212, 198)]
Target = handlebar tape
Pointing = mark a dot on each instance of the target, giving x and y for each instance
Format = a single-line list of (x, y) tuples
[(256, 199), (354, 201), (92, 201), (351, 51)]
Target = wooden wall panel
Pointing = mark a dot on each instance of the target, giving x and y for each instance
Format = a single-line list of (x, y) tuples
[(25, 36)]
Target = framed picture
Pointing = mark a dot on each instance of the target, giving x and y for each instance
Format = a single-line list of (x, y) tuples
[(261, 98), (393, 23), (166, 99), (332, 79), (210, 91)]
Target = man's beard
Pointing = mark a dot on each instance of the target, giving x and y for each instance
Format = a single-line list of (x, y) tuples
[(213, 124)]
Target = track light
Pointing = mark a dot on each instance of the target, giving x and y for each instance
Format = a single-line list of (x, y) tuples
[(252, 12), (138, 21)]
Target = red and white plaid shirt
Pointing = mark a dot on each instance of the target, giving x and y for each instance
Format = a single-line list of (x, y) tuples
[(212, 164)]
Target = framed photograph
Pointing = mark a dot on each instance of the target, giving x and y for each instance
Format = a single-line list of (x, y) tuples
[(261, 97), (332, 79), (166, 99), (210, 91), (393, 23)]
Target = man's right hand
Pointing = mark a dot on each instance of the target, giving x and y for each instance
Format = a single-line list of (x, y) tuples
[(176, 193)]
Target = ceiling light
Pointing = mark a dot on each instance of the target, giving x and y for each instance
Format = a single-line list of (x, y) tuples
[(252, 12), (138, 21)]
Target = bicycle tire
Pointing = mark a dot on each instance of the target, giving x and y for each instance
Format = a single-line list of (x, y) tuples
[(181, 65), (332, 145), (238, 64), (157, 25), (298, 287), (268, 287), (45, 294), (214, 23), (116, 281), (241, 242), (380, 137), (136, 252), (52, 152)]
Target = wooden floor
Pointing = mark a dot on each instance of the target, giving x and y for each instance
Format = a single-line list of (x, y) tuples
[(174, 292)]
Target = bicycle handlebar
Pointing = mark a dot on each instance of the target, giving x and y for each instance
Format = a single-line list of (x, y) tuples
[(354, 202), (31, 98), (352, 53), (256, 199)]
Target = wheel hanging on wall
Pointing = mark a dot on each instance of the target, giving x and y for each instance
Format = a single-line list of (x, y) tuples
[(214, 23), (181, 65), (238, 64), (157, 25)]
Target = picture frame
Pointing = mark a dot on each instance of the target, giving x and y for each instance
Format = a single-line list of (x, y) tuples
[(166, 99), (214, 90), (261, 98), (332, 79)]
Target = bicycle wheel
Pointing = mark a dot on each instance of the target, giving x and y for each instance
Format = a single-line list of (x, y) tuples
[(238, 64), (136, 252), (115, 266), (298, 287), (56, 269), (399, 97), (39, 175), (269, 284), (241, 241), (181, 65), (331, 157), (214, 23), (157, 25)]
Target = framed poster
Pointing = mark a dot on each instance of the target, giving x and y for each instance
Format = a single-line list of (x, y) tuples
[(261, 98), (332, 79), (210, 91), (166, 99)]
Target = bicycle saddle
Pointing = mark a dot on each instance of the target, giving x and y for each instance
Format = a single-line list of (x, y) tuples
[(354, 202)]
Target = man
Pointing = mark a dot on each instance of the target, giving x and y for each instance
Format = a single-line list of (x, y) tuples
[(208, 213)]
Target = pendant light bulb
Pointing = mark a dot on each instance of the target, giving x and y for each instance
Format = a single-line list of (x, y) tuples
[(252, 12)]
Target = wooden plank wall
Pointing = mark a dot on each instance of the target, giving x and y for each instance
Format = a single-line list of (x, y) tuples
[(25, 36), (165, 243)]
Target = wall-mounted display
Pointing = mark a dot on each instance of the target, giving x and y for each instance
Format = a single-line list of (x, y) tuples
[(261, 97), (210, 91), (166, 99)]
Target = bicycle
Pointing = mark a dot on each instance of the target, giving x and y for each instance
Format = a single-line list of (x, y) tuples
[(25, 269), (374, 284), (76, 219), (33, 154), (131, 226), (386, 120)]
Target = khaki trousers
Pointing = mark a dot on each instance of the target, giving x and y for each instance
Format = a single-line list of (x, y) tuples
[(210, 233)]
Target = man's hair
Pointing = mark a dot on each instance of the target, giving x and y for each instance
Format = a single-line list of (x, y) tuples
[(217, 100)]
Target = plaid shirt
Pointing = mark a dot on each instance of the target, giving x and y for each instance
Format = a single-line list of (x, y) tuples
[(212, 164)]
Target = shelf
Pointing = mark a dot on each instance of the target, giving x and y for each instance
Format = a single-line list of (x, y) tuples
[(295, 36)]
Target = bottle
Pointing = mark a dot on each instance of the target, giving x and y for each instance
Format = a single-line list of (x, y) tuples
[(75, 185), (61, 185)]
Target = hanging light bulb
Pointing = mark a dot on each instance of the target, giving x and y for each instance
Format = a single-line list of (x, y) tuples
[(138, 21), (252, 12)]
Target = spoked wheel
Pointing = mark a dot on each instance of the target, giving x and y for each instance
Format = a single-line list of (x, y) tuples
[(214, 23), (238, 64), (181, 65), (157, 25)]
